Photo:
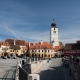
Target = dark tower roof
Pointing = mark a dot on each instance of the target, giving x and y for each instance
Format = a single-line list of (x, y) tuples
[(53, 25)]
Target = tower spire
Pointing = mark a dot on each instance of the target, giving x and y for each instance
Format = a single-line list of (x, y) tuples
[(53, 24)]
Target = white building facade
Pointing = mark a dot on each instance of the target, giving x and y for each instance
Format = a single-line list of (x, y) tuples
[(54, 35)]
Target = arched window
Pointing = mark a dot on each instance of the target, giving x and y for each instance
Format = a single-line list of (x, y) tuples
[(39, 50), (13, 50)]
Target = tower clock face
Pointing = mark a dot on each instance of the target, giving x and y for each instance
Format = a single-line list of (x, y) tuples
[(54, 32)]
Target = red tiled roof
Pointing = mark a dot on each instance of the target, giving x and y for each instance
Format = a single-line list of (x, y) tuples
[(44, 45), (11, 43), (20, 42), (4, 43), (56, 48)]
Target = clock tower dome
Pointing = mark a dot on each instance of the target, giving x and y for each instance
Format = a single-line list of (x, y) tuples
[(54, 35)]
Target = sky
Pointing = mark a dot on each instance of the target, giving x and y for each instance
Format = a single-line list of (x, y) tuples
[(31, 20)]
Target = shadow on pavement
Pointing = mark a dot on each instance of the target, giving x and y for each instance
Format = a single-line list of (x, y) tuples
[(56, 73), (9, 74)]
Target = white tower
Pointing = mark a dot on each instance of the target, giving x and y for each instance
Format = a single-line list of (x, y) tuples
[(54, 35)]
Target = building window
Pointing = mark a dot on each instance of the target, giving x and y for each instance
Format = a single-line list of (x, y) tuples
[(42, 51), (39, 50), (13, 50), (10, 50), (32, 50), (54, 28), (48, 50)]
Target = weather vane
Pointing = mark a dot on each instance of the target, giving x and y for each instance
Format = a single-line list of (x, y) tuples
[(53, 20)]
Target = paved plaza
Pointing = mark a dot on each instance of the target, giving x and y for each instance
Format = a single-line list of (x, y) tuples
[(7, 68), (54, 70)]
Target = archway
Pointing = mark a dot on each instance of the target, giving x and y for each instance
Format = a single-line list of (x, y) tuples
[(49, 56), (56, 55), (21, 55), (36, 55), (6, 54), (33, 55), (17, 55), (39, 55), (45, 55), (11, 54)]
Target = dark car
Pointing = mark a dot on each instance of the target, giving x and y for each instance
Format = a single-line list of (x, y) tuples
[(49, 58), (4, 57), (9, 57)]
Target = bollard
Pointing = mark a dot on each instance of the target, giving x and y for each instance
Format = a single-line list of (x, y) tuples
[(22, 62), (17, 70), (33, 77)]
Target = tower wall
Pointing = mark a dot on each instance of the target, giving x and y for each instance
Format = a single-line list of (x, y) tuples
[(54, 36)]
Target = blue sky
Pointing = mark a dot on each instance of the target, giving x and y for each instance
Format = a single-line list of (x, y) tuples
[(30, 20)]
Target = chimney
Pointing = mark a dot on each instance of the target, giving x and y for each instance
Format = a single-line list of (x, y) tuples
[(41, 42), (29, 44), (33, 43), (14, 42)]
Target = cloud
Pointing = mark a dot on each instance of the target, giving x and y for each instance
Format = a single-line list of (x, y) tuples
[(70, 34), (12, 32)]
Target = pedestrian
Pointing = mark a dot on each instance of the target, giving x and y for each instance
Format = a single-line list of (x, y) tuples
[(48, 60)]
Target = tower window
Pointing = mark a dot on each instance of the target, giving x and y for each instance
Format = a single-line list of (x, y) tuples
[(54, 28)]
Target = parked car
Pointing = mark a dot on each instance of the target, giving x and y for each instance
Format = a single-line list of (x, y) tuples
[(9, 57), (14, 56), (4, 57)]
